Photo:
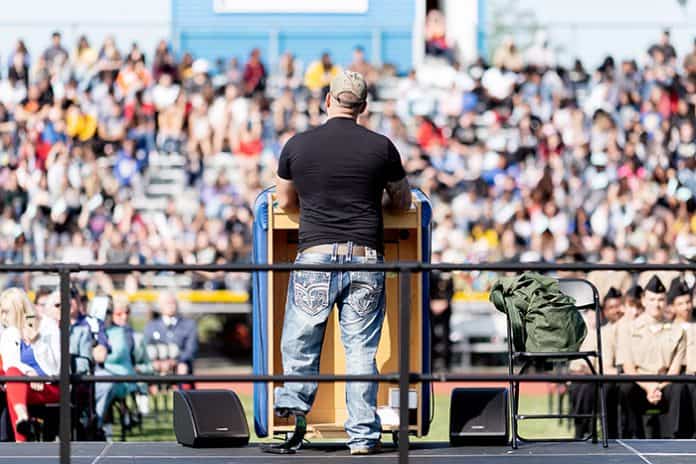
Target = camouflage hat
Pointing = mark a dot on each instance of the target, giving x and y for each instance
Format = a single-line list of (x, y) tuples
[(352, 83)]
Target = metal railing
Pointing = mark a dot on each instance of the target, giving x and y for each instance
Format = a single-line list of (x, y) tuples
[(403, 377)]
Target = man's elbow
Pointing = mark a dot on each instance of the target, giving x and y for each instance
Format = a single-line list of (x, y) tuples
[(286, 203), (405, 202), (282, 202), (399, 203)]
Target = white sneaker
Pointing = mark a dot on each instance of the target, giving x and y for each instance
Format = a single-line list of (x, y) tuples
[(143, 402), (365, 450)]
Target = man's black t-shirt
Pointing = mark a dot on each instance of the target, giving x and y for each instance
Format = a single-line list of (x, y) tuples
[(339, 170)]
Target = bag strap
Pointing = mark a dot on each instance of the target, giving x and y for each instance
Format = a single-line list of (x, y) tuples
[(504, 295), (516, 324)]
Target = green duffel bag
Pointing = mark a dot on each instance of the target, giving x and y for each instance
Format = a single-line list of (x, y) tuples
[(543, 319)]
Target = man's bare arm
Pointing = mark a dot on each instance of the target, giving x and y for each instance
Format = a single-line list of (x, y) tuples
[(398, 196), (286, 195)]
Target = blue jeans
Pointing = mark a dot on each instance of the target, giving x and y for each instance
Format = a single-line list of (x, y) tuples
[(359, 297)]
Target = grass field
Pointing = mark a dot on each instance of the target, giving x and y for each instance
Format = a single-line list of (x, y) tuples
[(161, 430)]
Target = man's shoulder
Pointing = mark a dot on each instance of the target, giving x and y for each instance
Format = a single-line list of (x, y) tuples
[(305, 134), (301, 138), (93, 323), (81, 330), (609, 328), (325, 127), (153, 324), (314, 141), (640, 323), (187, 323), (367, 132), (375, 142), (675, 329)]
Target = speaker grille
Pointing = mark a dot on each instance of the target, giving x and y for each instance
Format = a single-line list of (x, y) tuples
[(217, 412), (479, 412)]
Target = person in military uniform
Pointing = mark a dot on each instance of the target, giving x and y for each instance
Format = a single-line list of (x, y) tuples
[(632, 308), (651, 345), (632, 303), (679, 305), (441, 293), (680, 308), (582, 395)]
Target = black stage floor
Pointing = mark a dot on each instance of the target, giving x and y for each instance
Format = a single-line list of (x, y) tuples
[(619, 452)]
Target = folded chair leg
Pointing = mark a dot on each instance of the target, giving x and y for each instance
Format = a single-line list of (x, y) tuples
[(122, 411), (512, 405), (603, 414), (513, 414), (516, 396), (156, 409), (595, 407), (559, 390)]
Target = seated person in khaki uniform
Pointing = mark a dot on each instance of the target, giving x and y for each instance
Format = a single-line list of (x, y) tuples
[(680, 308), (632, 308), (632, 304), (582, 395), (679, 305), (650, 345)]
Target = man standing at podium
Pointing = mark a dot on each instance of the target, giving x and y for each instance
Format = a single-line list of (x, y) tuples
[(337, 175)]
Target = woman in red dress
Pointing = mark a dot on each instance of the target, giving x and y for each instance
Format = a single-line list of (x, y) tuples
[(27, 351)]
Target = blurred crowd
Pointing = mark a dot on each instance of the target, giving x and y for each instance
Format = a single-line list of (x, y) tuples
[(523, 159), (526, 160), (103, 343)]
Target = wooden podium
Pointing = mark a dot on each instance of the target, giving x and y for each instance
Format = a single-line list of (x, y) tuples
[(403, 236)]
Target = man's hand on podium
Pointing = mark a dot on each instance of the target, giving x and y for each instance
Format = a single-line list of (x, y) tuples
[(389, 208), (286, 195), (397, 196)]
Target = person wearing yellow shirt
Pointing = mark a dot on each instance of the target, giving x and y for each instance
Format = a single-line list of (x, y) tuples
[(319, 74), (80, 125)]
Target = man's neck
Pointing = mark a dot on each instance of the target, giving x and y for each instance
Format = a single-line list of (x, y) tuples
[(342, 116)]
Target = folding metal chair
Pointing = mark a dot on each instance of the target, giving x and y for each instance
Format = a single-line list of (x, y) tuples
[(586, 297), (557, 393), (82, 400)]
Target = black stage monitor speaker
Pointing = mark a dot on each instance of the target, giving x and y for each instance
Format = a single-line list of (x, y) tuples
[(209, 418), (479, 416)]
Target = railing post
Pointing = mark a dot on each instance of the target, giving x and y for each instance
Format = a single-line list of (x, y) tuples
[(404, 360), (65, 416)]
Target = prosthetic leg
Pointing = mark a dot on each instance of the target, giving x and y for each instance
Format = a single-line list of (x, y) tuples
[(292, 444)]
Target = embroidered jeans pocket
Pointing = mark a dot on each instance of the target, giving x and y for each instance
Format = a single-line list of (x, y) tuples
[(311, 290), (366, 289)]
